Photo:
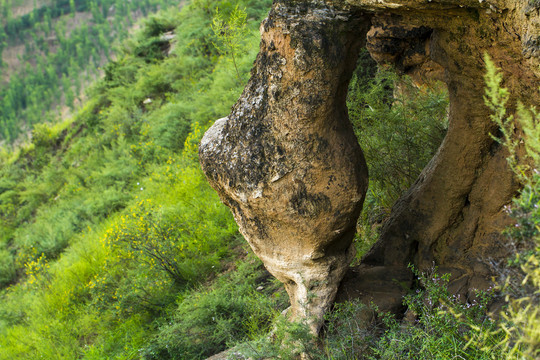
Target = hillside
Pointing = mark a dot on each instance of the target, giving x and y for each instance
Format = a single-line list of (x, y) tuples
[(125, 162), (113, 245), (50, 51)]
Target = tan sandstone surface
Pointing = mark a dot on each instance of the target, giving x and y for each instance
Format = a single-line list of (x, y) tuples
[(288, 165), (286, 160)]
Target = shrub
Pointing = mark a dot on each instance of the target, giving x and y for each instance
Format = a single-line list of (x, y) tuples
[(351, 328), (444, 327), (165, 243), (232, 310), (230, 34), (170, 125), (7, 267), (288, 341), (521, 324), (399, 126), (520, 278), (43, 135)]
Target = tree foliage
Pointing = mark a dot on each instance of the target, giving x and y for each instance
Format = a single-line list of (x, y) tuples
[(230, 34), (61, 55)]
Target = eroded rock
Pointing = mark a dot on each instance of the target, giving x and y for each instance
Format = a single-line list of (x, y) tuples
[(452, 217), (286, 160), (287, 163)]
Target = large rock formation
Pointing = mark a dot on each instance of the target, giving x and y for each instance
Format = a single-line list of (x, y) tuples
[(287, 163), (453, 215), (286, 160)]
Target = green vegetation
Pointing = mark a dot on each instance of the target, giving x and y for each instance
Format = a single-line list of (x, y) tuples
[(113, 246), (230, 34), (64, 44), (391, 115), (76, 203), (445, 327), (521, 277)]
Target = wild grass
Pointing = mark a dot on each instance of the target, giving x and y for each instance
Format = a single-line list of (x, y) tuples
[(112, 244)]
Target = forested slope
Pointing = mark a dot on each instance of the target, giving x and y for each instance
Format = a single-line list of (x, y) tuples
[(51, 49), (107, 224)]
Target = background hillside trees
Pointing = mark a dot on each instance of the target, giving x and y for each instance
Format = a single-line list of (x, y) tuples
[(63, 49)]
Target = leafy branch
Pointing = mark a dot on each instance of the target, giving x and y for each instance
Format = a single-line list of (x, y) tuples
[(230, 34)]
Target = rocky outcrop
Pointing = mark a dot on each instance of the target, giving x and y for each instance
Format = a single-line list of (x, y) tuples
[(287, 163), (286, 160), (453, 215)]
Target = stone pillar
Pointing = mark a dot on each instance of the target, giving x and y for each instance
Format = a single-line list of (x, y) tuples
[(286, 160)]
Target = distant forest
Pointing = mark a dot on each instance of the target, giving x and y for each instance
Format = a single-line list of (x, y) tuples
[(65, 42)]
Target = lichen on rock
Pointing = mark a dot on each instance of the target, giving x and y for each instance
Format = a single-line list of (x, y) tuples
[(288, 165), (286, 160)]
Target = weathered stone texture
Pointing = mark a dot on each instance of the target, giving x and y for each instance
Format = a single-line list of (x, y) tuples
[(453, 215), (286, 161)]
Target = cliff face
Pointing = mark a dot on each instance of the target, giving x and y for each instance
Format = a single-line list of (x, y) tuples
[(287, 163)]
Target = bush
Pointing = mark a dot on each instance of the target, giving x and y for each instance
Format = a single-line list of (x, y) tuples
[(351, 329), (288, 341), (170, 125), (444, 328), (7, 267), (207, 321), (521, 278), (399, 126)]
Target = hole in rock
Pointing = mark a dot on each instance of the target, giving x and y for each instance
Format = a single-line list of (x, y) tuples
[(399, 122)]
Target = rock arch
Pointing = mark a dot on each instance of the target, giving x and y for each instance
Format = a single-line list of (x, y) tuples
[(287, 163), (453, 215)]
